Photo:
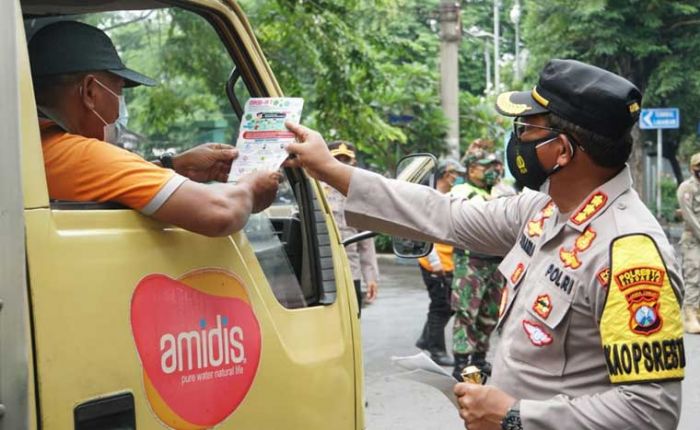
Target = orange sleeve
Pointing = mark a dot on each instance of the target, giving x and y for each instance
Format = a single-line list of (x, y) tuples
[(83, 169)]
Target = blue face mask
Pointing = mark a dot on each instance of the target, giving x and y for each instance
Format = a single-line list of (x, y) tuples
[(114, 132), (459, 180)]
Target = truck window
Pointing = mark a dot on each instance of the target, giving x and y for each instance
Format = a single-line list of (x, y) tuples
[(199, 99)]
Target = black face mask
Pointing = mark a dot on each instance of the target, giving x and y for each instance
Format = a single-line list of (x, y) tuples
[(524, 164)]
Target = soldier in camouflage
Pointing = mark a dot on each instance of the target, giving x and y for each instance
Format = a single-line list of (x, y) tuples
[(477, 284)]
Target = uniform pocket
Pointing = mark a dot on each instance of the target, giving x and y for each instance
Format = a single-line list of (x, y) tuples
[(541, 338)]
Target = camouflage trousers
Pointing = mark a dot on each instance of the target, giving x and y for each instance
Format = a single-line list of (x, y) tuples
[(476, 295)]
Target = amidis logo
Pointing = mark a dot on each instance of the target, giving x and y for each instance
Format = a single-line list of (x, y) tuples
[(199, 344)]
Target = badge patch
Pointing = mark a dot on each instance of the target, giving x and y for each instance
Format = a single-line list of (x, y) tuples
[(536, 333), (517, 273), (603, 277), (504, 302), (642, 288), (542, 305), (594, 204)]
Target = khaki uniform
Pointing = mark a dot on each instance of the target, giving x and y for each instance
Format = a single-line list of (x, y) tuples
[(558, 352), (362, 255), (689, 201)]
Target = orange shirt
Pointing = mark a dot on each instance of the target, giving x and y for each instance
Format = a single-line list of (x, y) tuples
[(444, 253), (83, 169)]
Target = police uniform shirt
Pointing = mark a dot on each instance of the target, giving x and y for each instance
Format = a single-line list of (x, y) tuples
[(577, 356)]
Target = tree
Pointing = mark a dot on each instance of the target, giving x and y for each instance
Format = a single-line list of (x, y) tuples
[(653, 43)]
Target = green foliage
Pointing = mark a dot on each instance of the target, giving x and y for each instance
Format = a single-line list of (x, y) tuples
[(382, 243), (669, 201), (356, 64), (653, 43)]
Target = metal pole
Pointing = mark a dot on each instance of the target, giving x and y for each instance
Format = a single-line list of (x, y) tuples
[(450, 35), (659, 166), (496, 39), (487, 63), (517, 43)]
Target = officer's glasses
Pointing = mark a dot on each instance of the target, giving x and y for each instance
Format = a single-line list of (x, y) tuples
[(520, 127)]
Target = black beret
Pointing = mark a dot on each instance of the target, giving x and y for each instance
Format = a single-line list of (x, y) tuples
[(588, 96)]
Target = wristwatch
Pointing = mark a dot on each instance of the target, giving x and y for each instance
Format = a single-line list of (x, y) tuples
[(512, 419), (166, 160)]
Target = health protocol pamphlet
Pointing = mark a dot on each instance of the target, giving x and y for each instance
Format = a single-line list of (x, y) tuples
[(262, 138)]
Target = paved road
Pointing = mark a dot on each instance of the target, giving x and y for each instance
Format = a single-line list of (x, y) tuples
[(391, 326)]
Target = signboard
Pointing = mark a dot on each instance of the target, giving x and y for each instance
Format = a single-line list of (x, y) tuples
[(659, 118)]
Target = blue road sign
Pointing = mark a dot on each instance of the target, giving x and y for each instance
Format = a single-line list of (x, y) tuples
[(659, 118)]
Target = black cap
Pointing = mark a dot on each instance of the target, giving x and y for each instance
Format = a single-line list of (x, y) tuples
[(588, 96), (71, 47)]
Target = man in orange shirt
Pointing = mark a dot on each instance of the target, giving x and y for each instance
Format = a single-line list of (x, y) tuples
[(437, 271), (78, 79)]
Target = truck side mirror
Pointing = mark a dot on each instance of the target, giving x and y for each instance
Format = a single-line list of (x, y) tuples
[(419, 169)]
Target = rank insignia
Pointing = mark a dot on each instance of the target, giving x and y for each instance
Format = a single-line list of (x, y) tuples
[(542, 305), (603, 277), (569, 258), (517, 273), (582, 243), (536, 333), (594, 204), (535, 227), (642, 288), (504, 302)]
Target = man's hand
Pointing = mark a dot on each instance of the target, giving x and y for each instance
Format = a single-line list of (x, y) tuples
[(372, 290), (313, 155), (482, 407), (263, 187), (207, 162)]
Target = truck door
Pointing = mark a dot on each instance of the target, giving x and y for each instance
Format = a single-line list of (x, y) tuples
[(138, 324)]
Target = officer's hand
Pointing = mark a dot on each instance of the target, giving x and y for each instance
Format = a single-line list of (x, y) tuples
[(310, 153), (372, 290), (482, 407), (207, 162), (263, 186)]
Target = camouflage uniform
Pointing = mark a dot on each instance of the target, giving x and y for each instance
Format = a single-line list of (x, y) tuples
[(476, 296)]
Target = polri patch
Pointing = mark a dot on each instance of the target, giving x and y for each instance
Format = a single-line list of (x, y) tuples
[(603, 277), (536, 333)]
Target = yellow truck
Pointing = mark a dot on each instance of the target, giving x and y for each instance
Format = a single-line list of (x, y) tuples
[(112, 320)]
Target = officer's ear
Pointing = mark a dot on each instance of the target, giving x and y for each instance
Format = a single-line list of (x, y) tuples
[(88, 91), (565, 150)]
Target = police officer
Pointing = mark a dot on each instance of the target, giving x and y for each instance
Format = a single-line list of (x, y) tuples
[(592, 335), (689, 201), (362, 255), (436, 270), (477, 284)]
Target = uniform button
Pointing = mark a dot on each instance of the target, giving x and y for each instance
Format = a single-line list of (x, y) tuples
[(621, 206)]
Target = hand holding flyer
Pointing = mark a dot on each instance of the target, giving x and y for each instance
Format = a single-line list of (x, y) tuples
[(262, 138)]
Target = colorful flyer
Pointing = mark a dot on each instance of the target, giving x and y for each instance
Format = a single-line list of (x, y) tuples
[(262, 138)]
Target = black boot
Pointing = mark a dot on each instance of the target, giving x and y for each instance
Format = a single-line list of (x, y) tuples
[(436, 341), (461, 361), (422, 342)]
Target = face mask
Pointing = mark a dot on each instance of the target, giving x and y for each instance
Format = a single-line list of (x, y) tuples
[(524, 164), (459, 180), (114, 132), (490, 177)]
